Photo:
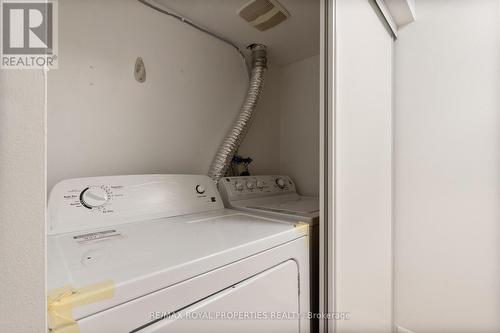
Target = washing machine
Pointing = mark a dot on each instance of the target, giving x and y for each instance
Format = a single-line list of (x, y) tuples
[(160, 253), (276, 196)]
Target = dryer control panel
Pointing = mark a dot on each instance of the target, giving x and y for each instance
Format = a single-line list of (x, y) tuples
[(246, 187), (84, 203)]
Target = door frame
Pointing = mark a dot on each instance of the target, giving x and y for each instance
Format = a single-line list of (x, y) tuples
[(327, 163)]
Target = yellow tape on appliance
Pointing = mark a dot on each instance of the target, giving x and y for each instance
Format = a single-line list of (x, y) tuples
[(62, 301), (302, 224)]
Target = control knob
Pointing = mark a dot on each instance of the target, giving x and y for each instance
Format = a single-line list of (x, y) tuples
[(238, 186), (251, 185), (94, 196), (260, 184), (200, 189), (280, 182)]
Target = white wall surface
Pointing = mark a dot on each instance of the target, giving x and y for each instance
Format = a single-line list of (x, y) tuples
[(22, 201), (288, 114), (101, 121), (262, 142), (363, 169), (299, 136), (447, 66)]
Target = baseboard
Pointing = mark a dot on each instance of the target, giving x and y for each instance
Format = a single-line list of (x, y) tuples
[(403, 330)]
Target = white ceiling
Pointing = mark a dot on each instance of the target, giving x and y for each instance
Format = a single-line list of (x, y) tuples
[(295, 39)]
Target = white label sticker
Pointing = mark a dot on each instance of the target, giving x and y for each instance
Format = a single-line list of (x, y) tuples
[(97, 236)]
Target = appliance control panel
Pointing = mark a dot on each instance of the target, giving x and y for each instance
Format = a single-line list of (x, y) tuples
[(84, 203), (245, 187)]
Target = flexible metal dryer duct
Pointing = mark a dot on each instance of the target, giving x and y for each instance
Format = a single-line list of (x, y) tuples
[(235, 136)]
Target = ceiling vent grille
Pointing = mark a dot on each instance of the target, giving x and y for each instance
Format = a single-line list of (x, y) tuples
[(264, 14)]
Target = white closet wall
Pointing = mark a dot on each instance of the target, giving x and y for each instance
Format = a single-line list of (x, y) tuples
[(262, 142), (299, 137), (22, 201), (287, 117)]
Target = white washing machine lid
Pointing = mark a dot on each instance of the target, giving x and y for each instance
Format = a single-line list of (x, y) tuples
[(139, 258), (288, 204), (291, 205)]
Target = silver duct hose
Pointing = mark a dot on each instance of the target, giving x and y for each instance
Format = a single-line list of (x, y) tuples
[(234, 137)]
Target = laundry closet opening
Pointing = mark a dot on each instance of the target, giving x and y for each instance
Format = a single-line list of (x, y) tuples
[(189, 128), (102, 121)]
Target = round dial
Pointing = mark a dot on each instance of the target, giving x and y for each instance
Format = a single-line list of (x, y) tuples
[(94, 196), (280, 182), (260, 184), (239, 186), (200, 189), (250, 185)]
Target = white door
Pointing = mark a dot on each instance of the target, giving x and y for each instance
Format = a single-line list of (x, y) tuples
[(363, 168), (266, 303)]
